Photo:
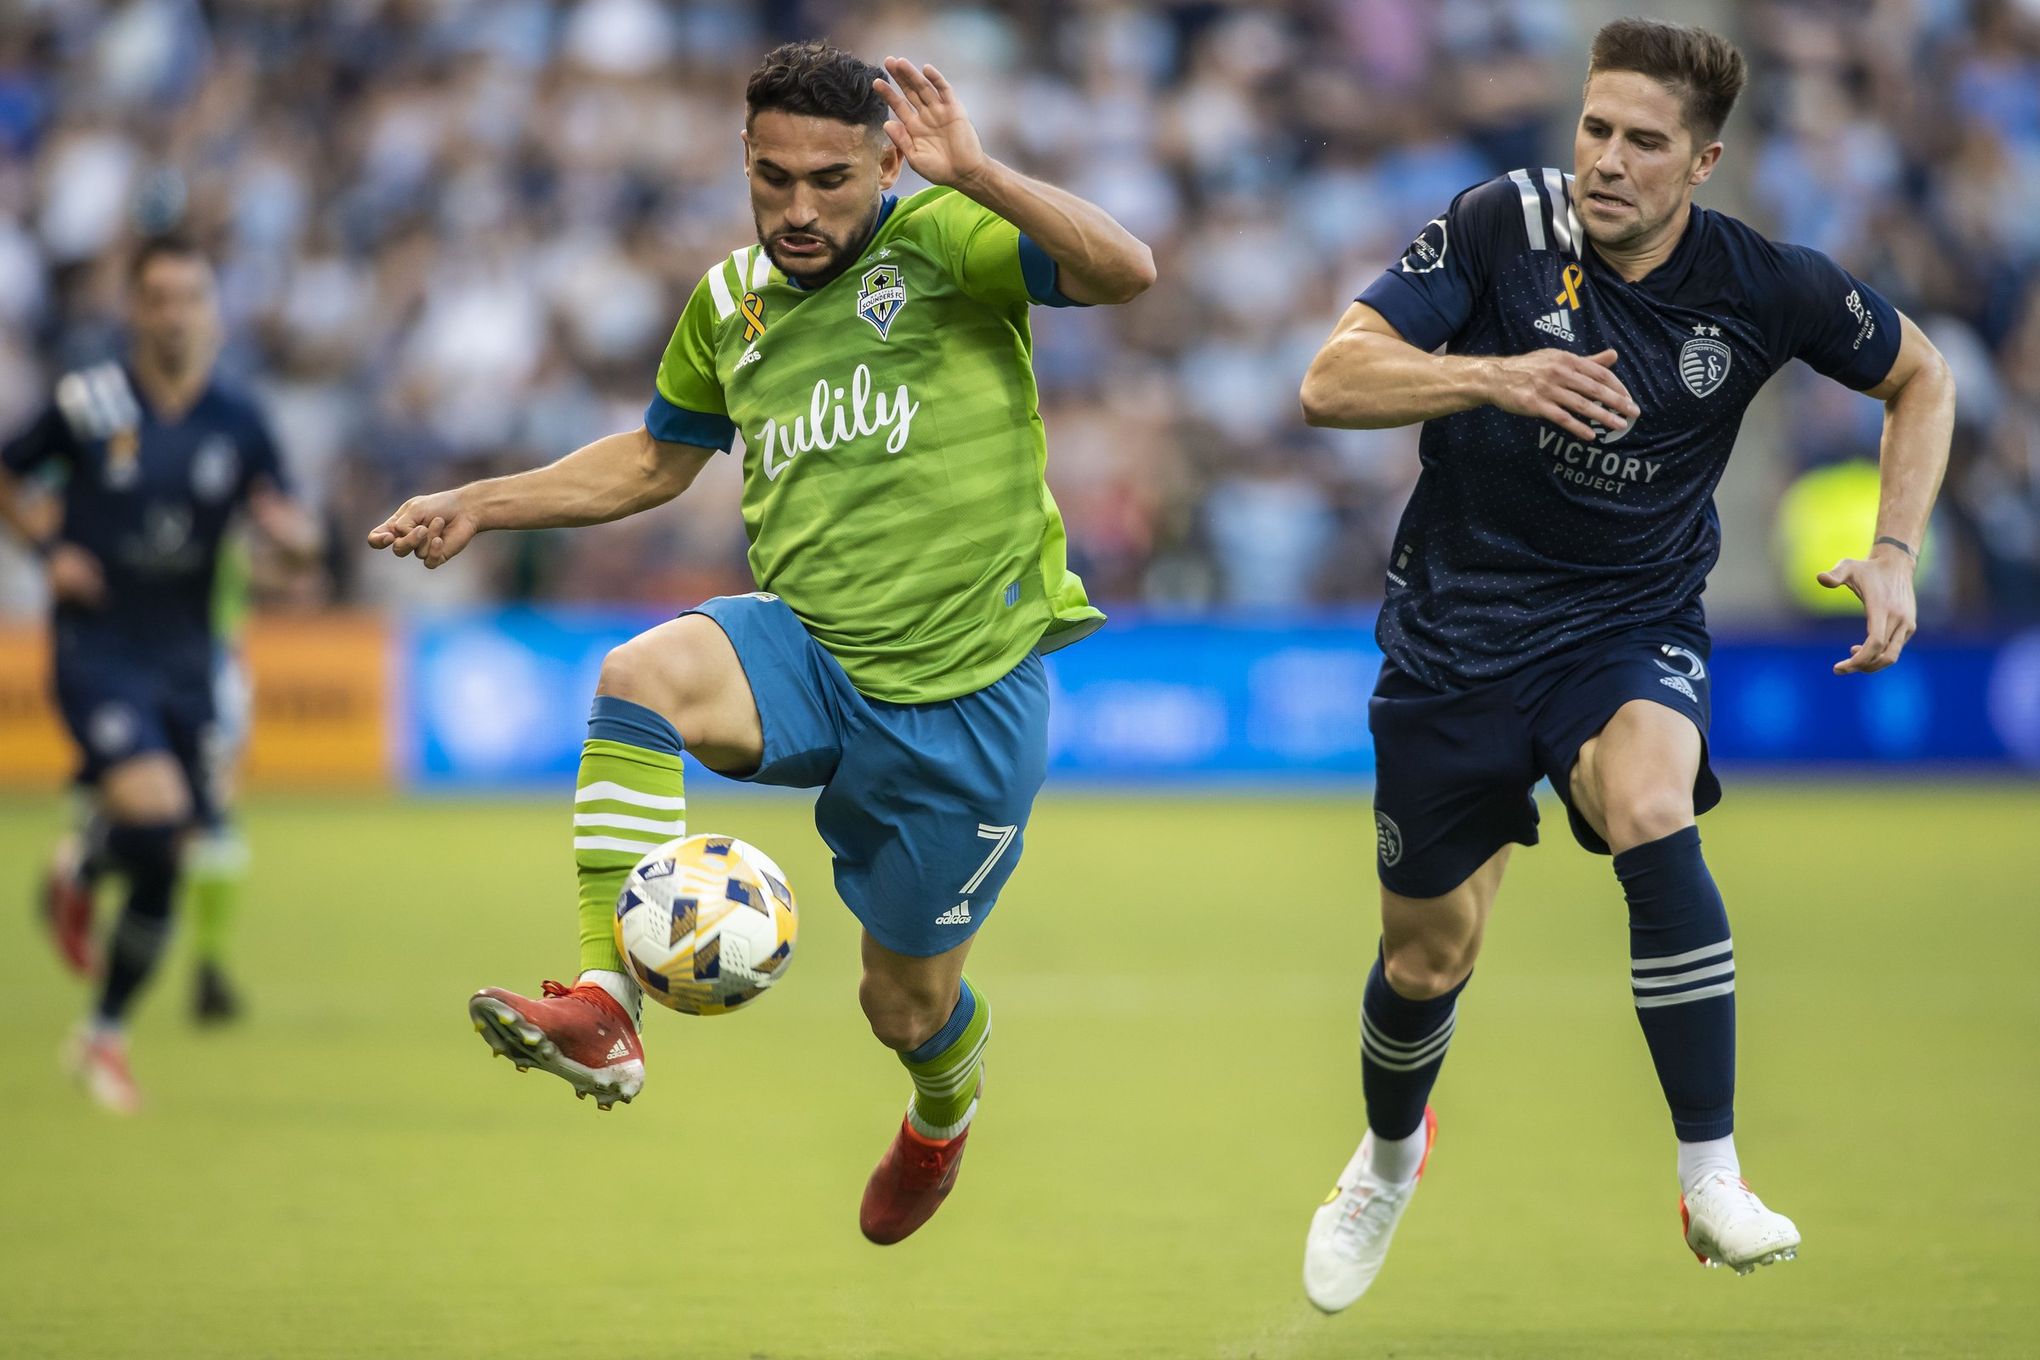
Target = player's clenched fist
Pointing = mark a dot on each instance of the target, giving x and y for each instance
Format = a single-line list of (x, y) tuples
[(433, 528), (1572, 392)]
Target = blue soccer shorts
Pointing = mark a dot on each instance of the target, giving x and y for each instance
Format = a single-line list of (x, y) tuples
[(924, 806), (118, 708), (1454, 771)]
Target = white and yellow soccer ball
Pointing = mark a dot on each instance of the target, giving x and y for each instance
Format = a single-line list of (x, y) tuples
[(705, 924)]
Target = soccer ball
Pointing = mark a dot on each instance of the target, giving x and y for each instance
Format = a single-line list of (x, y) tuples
[(705, 924)]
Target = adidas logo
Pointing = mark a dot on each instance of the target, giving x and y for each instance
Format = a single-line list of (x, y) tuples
[(958, 915), (619, 1049), (751, 356), (1558, 323), (1679, 683)]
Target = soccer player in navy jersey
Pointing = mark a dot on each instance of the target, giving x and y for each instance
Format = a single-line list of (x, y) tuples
[(1580, 349), (152, 460)]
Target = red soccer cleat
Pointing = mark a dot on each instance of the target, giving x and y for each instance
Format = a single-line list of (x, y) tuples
[(67, 911), (579, 1034), (909, 1185)]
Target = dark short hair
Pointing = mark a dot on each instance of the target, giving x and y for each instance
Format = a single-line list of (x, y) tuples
[(816, 80), (170, 246), (1703, 69)]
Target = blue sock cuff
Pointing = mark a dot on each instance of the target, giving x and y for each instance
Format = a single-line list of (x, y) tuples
[(1659, 853), (952, 1028), (620, 720)]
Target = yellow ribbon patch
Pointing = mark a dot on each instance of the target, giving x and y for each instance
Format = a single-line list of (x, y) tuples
[(754, 316), (1572, 278)]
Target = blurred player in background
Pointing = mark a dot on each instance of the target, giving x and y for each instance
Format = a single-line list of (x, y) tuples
[(1601, 338), (152, 461), (216, 857), (874, 352)]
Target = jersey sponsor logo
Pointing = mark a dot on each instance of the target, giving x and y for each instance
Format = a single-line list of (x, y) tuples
[(1866, 324), (1387, 839), (1594, 466), (215, 468), (838, 415), (1679, 683), (881, 293), (1689, 665), (1704, 361), (1557, 324), (1427, 252)]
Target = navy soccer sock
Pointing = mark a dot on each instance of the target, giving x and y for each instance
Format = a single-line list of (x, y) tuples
[(147, 855), (1682, 970), (1402, 1046)]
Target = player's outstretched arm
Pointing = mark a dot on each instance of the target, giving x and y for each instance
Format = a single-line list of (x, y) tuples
[(1919, 420), (1097, 260), (615, 476), (1367, 377)]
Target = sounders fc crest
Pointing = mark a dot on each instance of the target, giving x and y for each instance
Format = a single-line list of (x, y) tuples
[(880, 295), (1703, 361)]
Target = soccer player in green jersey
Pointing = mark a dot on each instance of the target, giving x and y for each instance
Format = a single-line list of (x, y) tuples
[(874, 354)]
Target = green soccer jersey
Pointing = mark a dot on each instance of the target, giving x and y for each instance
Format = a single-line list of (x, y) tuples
[(894, 459)]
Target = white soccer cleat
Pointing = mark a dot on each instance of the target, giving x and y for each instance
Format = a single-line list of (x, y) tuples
[(1727, 1225), (98, 1062), (1350, 1232)]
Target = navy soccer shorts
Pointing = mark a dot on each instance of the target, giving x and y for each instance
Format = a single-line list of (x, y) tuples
[(924, 806), (1454, 771), (117, 710)]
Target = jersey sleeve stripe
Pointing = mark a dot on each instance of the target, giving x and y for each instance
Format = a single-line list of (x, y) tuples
[(1533, 215), (761, 269), (719, 293), (1561, 211), (1572, 218), (671, 424)]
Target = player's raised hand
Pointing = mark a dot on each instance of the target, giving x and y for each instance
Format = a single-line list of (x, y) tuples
[(1572, 391), (432, 528), (929, 125), (1884, 583)]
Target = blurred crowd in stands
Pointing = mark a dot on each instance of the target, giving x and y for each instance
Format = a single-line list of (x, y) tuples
[(454, 234)]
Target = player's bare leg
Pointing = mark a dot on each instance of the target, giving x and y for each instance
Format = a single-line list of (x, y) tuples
[(925, 1010), (1428, 948), (680, 677), (1634, 784), (147, 807)]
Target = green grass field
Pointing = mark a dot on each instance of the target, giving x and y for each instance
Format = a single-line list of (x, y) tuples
[(1173, 1084)]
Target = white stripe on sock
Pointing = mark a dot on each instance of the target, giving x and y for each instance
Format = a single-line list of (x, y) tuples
[(668, 829), (1644, 1003), (1727, 967), (1669, 960), (605, 788), (1400, 1048)]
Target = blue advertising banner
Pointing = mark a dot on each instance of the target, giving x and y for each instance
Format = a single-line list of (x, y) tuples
[(499, 699)]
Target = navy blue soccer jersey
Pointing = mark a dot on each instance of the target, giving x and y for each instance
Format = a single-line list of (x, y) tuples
[(151, 501), (1522, 541)]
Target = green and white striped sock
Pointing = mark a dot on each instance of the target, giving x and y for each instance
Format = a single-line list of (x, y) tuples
[(628, 800), (949, 1069)]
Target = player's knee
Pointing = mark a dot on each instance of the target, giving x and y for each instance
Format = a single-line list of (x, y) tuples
[(630, 672), (901, 1017), (1421, 969), (1647, 815)]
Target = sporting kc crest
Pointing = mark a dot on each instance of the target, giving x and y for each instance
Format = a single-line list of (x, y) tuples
[(1703, 361), (880, 295)]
